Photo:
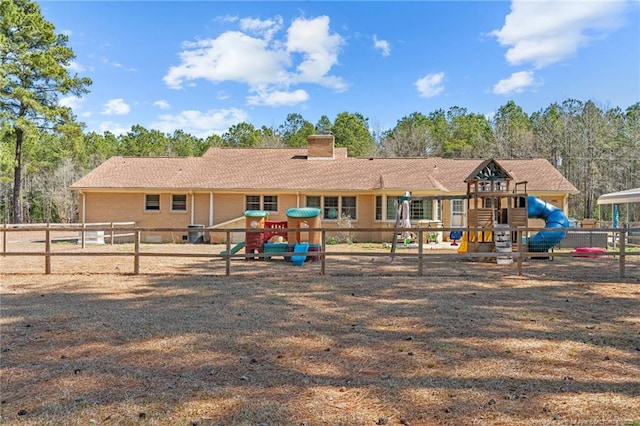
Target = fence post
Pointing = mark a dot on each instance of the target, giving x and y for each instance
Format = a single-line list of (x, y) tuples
[(520, 251), (112, 232), (47, 251), (623, 238), (420, 254), (323, 247), (227, 271), (136, 254), (84, 225), (4, 239)]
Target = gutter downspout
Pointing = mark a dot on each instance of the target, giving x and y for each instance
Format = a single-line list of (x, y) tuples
[(193, 206), (211, 208), (84, 206)]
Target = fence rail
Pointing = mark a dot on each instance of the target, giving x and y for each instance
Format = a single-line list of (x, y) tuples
[(618, 241)]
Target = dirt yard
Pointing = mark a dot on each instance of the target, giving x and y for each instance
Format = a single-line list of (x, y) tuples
[(468, 343)]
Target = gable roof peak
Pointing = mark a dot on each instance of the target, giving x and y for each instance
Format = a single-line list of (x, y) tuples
[(489, 170)]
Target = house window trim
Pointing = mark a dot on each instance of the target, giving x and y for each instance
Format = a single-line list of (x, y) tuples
[(355, 206), (378, 209), (337, 208), (462, 213), (319, 197), (262, 203), (435, 210), (146, 204), (186, 204), (340, 198), (246, 206)]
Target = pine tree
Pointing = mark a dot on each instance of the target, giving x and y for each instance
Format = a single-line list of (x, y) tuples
[(33, 74)]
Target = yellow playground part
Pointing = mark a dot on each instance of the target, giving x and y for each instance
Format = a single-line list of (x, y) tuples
[(487, 238)]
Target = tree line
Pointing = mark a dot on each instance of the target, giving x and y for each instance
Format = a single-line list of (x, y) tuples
[(597, 150), (44, 148)]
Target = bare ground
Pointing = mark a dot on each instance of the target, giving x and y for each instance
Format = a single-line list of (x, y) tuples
[(370, 343)]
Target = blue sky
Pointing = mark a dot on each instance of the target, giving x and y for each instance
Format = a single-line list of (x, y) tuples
[(204, 66)]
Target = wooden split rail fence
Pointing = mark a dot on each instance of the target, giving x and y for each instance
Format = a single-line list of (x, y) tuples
[(113, 230)]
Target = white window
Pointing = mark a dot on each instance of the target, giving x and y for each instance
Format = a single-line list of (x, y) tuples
[(261, 202), (334, 207), (314, 201), (437, 212), (378, 207), (252, 202), (179, 203), (331, 208), (457, 213), (270, 203), (419, 209), (152, 202), (348, 207), (392, 204)]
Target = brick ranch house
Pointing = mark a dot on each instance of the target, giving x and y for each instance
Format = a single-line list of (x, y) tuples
[(216, 189)]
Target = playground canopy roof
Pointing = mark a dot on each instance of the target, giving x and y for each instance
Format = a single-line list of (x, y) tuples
[(621, 197)]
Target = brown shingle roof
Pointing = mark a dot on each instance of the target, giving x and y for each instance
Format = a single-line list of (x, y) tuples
[(289, 169)]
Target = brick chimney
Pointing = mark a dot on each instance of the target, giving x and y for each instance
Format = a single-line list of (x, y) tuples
[(320, 147)]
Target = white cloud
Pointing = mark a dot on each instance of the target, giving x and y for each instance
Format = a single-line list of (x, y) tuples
[(111, 63), (516, 83), (115, 128), (233, 56), (544, 32), (319, 48), (430, 85), (266, 28), (76, 67), (383, 45), (72, 102), (200, 124), (277, 98), (227, 19), (115, 64), (116, 107), (265, 63), (162, 104)]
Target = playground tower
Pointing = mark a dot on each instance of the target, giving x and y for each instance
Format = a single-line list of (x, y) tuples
[(491, 201)]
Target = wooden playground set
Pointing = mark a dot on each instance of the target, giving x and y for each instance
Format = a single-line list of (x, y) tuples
[(496, 209)]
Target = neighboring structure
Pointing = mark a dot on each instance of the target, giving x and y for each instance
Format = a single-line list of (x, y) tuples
[(216, 189)]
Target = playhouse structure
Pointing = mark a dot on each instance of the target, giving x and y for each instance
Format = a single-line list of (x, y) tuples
[(273, 237)]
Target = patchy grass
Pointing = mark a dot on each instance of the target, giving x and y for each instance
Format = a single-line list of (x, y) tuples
[(305, 349)]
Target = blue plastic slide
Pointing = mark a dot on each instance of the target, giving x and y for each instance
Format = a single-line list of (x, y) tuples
[(298, 260), (553, 218)]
